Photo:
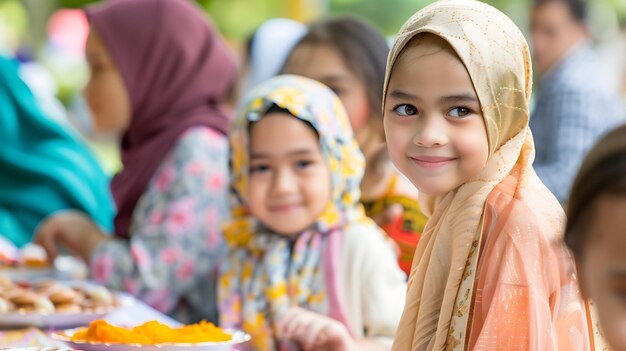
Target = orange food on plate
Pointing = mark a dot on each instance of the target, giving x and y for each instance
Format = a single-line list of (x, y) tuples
[(150, 333)]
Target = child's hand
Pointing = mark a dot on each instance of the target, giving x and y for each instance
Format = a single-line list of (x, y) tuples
[(72, 229), (313, 331)]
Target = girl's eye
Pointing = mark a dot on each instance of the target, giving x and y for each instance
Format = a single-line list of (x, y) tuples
[(302, 164), (621, 294), (97, 68), (259, 168), (95, 63), (405, 110), (459, 112), (619, 289), (337, 91)]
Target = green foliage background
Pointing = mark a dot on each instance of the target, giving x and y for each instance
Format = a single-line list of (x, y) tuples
[(238, 18)]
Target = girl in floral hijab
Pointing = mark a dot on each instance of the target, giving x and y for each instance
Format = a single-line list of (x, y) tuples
[(300, 266)]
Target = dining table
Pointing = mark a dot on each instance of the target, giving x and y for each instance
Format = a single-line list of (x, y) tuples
[(134, 312), (67, 270)]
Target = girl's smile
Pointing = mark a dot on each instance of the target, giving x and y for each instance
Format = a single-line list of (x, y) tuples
[(432, 162), (286, 207)]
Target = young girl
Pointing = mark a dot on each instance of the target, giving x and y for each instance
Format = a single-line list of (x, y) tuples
[(305, 263), (489, 271), (160, 76), (348, 55), (595, 232)]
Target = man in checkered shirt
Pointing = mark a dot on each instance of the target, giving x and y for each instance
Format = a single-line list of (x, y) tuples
[(575, 105)]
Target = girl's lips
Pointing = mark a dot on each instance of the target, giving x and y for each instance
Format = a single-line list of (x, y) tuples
[(284, 207), (432, 161)]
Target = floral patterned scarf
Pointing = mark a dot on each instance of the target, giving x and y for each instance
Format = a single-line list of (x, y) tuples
[(266, 274)]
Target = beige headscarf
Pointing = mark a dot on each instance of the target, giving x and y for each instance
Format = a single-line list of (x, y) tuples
[(497, 59)]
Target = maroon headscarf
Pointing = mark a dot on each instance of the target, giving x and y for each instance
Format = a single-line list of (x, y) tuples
[(177, 71)]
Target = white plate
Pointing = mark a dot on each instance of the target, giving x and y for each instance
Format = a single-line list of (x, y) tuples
[(58, 320), (27, 273), (239, 338)]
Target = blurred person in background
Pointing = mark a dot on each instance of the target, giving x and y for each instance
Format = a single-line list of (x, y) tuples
[(45, 168), (613, 58), (349, 56), (595, 232), (575, 104), (160, 76), (267, 49)]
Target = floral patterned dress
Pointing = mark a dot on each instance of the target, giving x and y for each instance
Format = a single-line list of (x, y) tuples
[(170, 259)]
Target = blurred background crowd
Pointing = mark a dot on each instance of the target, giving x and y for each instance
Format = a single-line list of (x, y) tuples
[(50, 36)]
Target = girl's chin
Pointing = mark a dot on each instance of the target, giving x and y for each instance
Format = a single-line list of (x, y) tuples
[(289, 232), (432, 189)]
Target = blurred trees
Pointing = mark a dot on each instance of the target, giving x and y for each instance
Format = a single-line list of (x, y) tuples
[(236, 19)]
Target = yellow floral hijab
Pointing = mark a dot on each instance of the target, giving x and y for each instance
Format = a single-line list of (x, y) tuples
[(446, 273), (266, 273)]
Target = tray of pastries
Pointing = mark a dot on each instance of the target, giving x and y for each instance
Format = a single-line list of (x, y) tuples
[(53, 304)]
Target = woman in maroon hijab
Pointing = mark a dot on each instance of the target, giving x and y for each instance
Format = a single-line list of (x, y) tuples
[(160, 75)]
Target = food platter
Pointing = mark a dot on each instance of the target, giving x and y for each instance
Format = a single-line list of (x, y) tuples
[(238, 338), (55, 305)]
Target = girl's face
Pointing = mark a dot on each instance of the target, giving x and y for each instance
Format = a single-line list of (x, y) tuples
[(289, 180), (323, 63), (105, 92), (602, 269), (433, 122)]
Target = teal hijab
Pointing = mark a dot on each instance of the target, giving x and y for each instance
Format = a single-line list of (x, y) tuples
[(44, 168)]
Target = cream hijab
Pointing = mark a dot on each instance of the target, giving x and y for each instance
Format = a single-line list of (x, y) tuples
[(497, 59)]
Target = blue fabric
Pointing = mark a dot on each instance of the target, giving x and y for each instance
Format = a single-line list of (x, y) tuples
[(574, 109), (43, 167)]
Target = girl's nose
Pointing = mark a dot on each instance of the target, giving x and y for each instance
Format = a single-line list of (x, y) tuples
[(431, 131), (284, 182)]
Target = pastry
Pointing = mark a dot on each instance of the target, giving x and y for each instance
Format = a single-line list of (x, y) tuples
[(68, 308), (62, 295), (23, 298), (33, 256), (43, 305)]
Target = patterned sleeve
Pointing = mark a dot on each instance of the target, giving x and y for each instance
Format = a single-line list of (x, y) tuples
[(175, 234), (577, 123)]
